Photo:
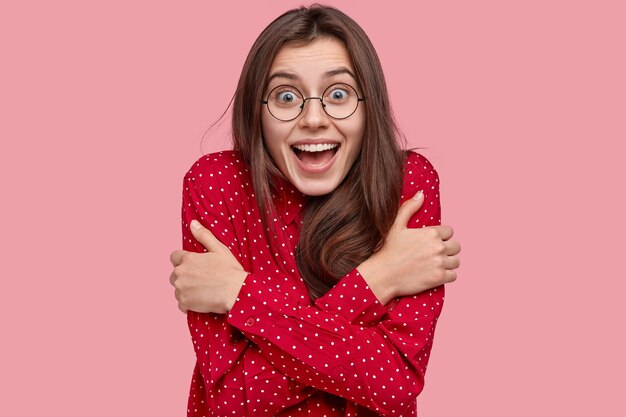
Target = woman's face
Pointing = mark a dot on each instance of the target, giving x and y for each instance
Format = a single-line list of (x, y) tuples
[(314, 151)]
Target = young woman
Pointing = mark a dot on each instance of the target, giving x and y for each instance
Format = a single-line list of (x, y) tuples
[(317, 285)]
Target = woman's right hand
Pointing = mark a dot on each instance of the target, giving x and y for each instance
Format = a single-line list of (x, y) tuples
[(411, 260)]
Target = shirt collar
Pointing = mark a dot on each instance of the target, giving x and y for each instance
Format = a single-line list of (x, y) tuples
[(287, 200)]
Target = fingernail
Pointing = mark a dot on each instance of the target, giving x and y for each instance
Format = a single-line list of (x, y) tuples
[(195, 224), (418, 196)]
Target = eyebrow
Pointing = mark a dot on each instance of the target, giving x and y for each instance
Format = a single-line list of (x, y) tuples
[(326, 75)]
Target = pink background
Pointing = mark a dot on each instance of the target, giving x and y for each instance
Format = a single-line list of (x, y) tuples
[(521, 106)]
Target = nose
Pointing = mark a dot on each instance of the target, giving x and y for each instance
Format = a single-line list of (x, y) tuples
[(313, 115)]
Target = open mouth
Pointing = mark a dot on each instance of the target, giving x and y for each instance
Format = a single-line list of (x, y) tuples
[(316, 154)]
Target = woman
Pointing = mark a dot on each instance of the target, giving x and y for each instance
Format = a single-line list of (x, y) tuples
[(320, 288)]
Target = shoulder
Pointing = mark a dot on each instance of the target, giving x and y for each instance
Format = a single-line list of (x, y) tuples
[(418, 162), (418, 172), (420, 175), (217, 163), (223, 167)]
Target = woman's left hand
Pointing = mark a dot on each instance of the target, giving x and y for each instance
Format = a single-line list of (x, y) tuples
[(206, 282)]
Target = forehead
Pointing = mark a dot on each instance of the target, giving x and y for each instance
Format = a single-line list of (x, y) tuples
[(312, 61)]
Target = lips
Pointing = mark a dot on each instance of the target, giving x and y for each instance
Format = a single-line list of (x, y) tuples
[(315, 156)]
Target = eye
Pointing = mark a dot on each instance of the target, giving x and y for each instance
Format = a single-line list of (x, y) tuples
[(286, 96), (338, 94)]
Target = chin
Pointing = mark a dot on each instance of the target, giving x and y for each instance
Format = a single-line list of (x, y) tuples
[(316, 188)]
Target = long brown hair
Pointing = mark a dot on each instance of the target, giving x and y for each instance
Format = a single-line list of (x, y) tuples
[(343, 228)]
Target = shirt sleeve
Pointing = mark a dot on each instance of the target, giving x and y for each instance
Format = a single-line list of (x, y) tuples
[(219, 347), (380, 366)]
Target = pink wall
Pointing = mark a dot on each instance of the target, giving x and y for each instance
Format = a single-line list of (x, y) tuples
[(521, 106)]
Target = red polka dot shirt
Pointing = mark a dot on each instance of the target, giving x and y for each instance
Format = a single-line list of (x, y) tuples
[(277, 353)]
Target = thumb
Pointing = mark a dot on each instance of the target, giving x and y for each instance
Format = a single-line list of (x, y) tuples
[(204, 236), (408, 209)]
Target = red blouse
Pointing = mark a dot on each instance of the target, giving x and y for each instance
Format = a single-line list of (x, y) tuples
[(279, 354)]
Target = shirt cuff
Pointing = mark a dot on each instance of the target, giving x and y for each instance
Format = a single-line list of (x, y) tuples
[(353, 299), (257, 306)]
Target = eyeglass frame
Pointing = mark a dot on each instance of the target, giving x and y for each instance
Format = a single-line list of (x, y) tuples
[(304, 99)]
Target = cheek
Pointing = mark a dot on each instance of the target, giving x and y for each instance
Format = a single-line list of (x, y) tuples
[(270, 135), (274, 137), (274, 133), (356, 130)]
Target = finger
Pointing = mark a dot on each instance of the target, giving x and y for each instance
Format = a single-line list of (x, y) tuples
[(173, 277), (176, 257), (408, 209), (205, 237), (445, 231), (181, 306), (452, 262), (452, 247), (450, 276)]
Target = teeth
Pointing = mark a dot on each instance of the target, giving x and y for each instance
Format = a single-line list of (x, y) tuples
[(319, 147)]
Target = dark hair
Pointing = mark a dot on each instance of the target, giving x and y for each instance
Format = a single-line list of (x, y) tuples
[(343, 228)]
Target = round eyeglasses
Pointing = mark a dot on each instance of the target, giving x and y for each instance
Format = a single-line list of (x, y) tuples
[(286, 102)]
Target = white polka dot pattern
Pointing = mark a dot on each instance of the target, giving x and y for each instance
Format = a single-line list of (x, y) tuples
[(278, 354)]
